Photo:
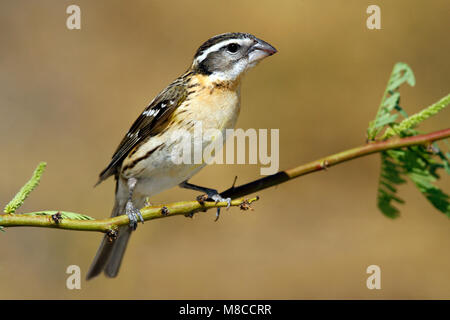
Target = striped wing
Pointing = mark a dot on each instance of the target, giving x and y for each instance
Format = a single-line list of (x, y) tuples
[(148, 124)]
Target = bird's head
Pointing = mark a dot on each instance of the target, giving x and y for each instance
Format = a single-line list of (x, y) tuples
[(227, 56)]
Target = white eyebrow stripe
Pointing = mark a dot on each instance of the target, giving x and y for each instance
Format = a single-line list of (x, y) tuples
[(217, 46)]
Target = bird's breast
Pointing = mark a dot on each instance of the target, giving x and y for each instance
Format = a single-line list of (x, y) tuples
[(214, 105)]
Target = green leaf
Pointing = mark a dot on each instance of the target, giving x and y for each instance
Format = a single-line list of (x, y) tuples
[(391, 101), (401, 111), (401, 74), (385, 120), (420, 166), (415, 163), (20, 197), (64, 214), (413, 121), (390, 176)]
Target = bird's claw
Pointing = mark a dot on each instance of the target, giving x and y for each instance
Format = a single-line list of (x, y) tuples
[(217, 214), (133, 214), (218, 198)]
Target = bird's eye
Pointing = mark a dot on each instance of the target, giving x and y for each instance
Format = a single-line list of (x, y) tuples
[(233, 47)]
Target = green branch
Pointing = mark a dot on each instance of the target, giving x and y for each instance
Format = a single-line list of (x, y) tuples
[(53, 219)]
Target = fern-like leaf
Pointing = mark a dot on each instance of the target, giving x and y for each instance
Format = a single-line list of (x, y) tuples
[(418, 163), (421, 169), (64, 215), (390, 177), (390, 103)]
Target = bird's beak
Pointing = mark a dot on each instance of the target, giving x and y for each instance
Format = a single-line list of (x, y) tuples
[(264, 46), (260, 50)]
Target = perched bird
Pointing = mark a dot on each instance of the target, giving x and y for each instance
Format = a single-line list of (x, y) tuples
[(207, 93)]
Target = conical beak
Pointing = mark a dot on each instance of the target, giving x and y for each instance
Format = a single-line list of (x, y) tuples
[(259, 51), (264, 46)]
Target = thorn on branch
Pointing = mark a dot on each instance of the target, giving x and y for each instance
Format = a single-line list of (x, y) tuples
[(245, 205), (164, 211), (324, 165), (189, 215), (57, 217), (234, 183), (202, 198), (112, 235)]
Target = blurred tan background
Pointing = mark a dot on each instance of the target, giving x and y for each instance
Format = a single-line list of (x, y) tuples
[(68, 97)]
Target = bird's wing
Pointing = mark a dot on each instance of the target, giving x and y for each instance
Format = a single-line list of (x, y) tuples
[(148, 124)]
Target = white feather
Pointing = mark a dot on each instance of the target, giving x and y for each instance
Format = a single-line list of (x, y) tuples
[(219, 45)]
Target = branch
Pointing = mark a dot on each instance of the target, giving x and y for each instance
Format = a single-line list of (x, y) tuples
[(324, 163), (53, 219), (48, 220)]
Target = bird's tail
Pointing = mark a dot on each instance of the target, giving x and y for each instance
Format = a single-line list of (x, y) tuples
[(110, 253)]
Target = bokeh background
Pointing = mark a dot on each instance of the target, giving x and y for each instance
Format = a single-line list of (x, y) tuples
[(68, 97)]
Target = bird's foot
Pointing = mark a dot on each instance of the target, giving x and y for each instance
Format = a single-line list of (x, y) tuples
[(211, 194), (215, 195), (133, 214)]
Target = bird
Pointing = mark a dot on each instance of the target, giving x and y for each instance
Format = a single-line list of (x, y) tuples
[(207, 93)]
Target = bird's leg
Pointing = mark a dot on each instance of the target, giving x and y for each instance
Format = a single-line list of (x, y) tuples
[(132, 212), (211, 193)]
